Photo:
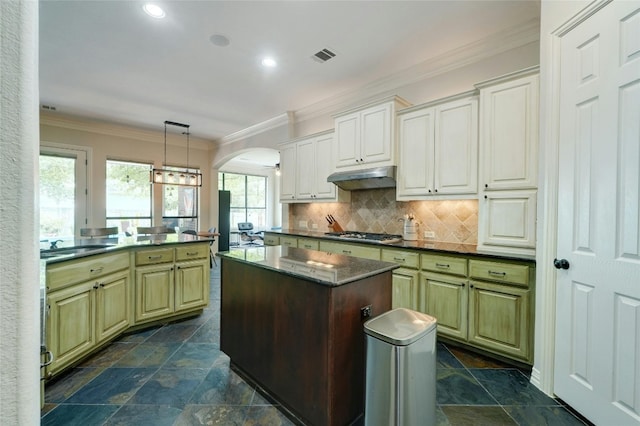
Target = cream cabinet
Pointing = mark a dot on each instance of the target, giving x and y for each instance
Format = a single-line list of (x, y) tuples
[(169, 281), (308, 243), (288, 171), (438, 150), (508, 166), (288, 241), (271, 239), (87, 304), (309, 161), (366, 137)]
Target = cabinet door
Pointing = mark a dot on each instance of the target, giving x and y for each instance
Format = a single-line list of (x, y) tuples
[(305, 166), (192, 285), (416, 148), (70, 324), (499, 319), (154, 292), (456, 148), (445, 298), (509, 132), (376, 131), (324, 165), (288, 173), (347, 140), (507, 219), (112, 305), (271, 240), (404, 290), (308, 243)]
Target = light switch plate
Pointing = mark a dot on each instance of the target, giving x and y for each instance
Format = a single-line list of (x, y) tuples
[(302, 224), (429, 234)]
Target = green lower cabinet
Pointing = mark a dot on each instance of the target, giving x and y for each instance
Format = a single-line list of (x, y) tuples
[(445, 298), (500, 319), (404, 293)]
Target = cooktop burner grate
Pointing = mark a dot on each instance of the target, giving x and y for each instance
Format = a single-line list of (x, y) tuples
[(366, 236)]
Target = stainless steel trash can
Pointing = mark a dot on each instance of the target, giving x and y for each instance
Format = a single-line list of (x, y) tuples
[(401, 369)]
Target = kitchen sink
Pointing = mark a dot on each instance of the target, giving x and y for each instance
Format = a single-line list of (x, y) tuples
[(47, 254)]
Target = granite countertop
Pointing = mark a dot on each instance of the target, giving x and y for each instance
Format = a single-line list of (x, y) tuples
[(425, 245), (324, 268), (93, 246)]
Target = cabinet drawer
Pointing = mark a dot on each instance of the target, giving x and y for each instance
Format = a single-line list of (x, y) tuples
[(308, 243), (149, 257), (271, 240), (194, 251), (350, 250), (500, 272), (289, 241), (74, 271), (444, 264), (404, 258)]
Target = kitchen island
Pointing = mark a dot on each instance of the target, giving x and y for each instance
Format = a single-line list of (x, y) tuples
[(292, 323)]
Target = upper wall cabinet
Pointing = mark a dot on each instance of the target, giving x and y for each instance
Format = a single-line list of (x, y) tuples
[(438, 149), (509, 132), (309, 161), (288, 171), (508, 166), (366, 137)]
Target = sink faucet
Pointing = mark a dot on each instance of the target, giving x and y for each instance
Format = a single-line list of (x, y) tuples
[(54, 244)]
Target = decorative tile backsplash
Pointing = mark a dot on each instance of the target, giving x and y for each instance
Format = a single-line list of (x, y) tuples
[(376, 210)]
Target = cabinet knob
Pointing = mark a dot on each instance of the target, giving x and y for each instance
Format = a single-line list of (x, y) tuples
[(486, 185), (485, 197), (561, 263), (470, 285), (435, 190), (95, 286)]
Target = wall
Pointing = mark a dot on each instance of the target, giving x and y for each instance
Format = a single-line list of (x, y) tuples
[(376, 210), (115, 142), (19, 264)]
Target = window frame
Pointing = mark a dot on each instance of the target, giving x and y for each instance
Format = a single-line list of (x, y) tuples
[(106, 194)]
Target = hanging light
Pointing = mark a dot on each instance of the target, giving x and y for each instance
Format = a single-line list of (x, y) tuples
[(165, 176), (277, 169)]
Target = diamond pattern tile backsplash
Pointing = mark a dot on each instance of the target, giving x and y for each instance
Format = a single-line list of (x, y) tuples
[(376, 210)]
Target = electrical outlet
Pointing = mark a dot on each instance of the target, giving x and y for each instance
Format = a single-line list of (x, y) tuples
[(302, 224), (314, 226), (429, 234)]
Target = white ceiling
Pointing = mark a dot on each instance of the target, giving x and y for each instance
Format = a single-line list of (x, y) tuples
[(108, 60)]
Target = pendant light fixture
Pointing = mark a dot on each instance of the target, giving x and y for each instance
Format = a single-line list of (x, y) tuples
[(172, 176)]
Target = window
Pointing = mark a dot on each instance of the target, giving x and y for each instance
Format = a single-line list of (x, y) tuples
[(63, 195), (248, 198), (180, 205), (128, 195)]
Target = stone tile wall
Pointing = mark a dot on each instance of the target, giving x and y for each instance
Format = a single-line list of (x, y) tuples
[(376, 210)]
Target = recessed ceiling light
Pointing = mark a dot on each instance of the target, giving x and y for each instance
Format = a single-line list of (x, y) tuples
[(269, 62), (219, 40), (154, 11)]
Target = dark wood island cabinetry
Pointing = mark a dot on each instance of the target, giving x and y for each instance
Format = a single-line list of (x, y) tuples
[(292, 323)]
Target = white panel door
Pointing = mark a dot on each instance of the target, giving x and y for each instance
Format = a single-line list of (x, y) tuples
[(597, 361), (305, 167), (415, 153), (376, 134)]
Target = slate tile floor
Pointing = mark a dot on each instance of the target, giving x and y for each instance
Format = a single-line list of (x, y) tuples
[(175, 374)]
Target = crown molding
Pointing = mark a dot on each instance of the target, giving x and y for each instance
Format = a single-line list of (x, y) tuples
[(111, 129), (256, 129), (485, 48)]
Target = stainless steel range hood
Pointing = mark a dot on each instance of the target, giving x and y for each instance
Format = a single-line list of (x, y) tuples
[(379, 177)]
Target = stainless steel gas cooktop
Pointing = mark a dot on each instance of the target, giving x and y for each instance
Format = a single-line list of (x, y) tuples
[(366, 236)]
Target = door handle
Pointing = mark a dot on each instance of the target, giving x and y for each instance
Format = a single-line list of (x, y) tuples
[(561, 263)]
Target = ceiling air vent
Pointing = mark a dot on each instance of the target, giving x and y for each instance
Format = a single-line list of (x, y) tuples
[(48, 107), (323, 56)]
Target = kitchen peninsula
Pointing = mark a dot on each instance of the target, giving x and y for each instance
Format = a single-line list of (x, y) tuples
[(95, 292), (292, 323)]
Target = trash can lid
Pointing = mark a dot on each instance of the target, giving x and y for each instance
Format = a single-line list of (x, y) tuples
[(400, 326)]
